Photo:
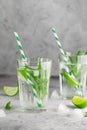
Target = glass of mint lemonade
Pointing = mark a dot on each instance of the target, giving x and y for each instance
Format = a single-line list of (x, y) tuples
[(39, 71), (72, 76)]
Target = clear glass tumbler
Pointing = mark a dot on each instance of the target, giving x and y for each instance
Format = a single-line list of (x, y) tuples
[(39, 71), (72, 76)]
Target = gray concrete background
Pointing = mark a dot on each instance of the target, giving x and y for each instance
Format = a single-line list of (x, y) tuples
[(33, 20)]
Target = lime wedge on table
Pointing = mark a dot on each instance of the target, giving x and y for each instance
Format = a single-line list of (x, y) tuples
[(79, 102), (70, 80), (10, 91)]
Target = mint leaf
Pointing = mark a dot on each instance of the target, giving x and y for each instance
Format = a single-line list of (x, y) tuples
[(73, 64), (23, 72), (71, 60), (70, 80), (86, 53), (85, 114), (77, 54), (8, 105), (40, 66)]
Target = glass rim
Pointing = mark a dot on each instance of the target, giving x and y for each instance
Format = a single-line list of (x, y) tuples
[(79, 63), (35, 58), (32, 62)]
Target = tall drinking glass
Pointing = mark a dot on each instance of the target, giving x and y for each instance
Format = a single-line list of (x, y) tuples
[(72, 76), (39, 71)]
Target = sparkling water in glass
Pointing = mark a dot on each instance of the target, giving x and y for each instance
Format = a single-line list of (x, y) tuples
[(72, 76), (39, 72)]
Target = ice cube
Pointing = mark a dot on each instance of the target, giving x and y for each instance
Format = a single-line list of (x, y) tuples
[(77, 114), (54, 95), (63, 109), (2, 113)]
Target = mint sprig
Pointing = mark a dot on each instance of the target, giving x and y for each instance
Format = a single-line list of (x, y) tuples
[(39, 80), (74, 72), (8, 105), (78, 54)]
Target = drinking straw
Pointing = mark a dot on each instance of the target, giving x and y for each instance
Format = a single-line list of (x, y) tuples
[(61, 50), (29, 82), (20, 46), (59, 44)]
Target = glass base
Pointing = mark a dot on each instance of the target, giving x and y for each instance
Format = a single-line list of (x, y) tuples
[(32, 109)]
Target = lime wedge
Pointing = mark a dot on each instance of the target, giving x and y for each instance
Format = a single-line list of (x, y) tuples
[(79, 102), (70, 80), (10, 91)]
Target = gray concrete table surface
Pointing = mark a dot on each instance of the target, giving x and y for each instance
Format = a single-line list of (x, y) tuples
[(49, 119)]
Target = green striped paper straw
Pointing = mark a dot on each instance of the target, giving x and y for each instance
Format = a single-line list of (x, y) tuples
[(59, 44), (20, 46), (29, 82), (60, 48), (61, 51)]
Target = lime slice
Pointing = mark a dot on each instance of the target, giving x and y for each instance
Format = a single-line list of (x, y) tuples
[(79, 102), (70, 80), (10, 91)]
